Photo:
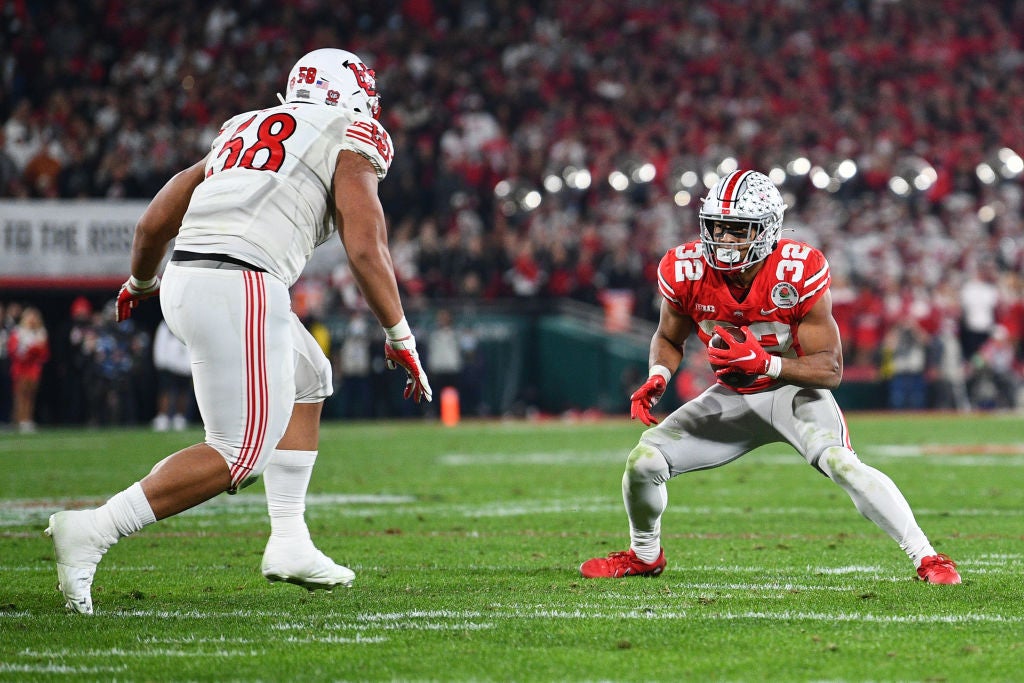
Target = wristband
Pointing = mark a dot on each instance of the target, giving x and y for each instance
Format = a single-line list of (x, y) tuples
[(774, 367), (665, 373), (400, 330), (142, 285)]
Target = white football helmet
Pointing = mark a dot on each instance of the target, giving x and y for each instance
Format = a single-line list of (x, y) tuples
[(334, 78), (746, 201)]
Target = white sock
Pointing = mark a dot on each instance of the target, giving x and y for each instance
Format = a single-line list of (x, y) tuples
[(286, 480), (919, 552), (646, 545), (124, 514), (646, 497)]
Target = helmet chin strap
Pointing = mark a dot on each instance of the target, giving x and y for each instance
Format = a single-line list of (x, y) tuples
[(281, 97)]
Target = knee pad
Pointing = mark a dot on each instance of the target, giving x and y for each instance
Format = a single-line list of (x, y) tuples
[(647, 463)]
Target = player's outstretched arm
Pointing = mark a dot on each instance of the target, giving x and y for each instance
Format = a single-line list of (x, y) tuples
[(363, 231)]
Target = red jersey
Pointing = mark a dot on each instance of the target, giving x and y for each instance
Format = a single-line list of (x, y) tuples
[(794, 276)]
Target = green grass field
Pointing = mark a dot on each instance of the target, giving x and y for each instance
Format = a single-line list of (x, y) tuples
[(466, 543)]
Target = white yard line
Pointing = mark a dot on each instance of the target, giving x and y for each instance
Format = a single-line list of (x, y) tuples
[(540, 458), (222, 514), (470, 619), (513, 612), (197, 640), (20, 512), (6, 667), (139, 653), (967, 454)]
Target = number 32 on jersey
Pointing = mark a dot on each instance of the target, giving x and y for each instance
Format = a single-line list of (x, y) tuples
[(690, 263)]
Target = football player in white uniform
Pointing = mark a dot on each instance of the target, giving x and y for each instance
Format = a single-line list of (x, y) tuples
[(774, 380), (276, 183)]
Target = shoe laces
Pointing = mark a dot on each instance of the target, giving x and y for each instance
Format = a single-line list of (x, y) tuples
[(942, 559), (623, 557)]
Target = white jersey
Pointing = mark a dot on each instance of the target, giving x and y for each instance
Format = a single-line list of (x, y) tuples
[(268, 194)]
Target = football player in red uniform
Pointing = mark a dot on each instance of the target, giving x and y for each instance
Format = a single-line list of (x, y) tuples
[(742, 273)]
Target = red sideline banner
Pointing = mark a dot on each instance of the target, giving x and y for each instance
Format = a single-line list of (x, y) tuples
[(66, 243)]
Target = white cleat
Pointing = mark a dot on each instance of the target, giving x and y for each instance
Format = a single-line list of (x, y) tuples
[(78, 547), (308, 568)]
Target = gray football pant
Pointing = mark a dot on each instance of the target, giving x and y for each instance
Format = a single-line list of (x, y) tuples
[(721, 425)]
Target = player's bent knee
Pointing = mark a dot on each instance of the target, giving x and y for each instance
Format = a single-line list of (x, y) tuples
[(243, 474), (646, 463), (245, 483), (838, 463)]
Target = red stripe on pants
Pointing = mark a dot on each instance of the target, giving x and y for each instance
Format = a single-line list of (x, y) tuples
[(256, 397)]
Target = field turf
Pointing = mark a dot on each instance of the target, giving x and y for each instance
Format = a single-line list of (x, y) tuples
[(466, 543)]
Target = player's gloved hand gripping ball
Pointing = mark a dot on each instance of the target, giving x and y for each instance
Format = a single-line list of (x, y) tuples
[(400, 351), (132, 292), (738, 359)]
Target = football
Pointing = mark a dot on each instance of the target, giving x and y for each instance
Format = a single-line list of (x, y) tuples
[(737, 379)]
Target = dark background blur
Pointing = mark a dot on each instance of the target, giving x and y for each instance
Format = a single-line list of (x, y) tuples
[(553, 151)]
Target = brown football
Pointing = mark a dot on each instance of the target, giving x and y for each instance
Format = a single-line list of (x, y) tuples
[(736, 379)]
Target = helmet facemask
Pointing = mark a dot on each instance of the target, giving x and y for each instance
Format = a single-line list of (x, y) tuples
[(748, 206)]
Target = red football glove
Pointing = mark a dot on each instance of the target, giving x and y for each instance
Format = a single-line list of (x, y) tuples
[(402, 353), (746, 356), (645, 398), (132, 292)]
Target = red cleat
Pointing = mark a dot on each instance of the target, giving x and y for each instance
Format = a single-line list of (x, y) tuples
[(938, 569), (620, 564)]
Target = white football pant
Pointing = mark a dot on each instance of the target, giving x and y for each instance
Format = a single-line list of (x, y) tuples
[(237, 325)]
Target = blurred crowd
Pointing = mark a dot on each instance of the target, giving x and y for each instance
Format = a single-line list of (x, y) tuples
[(99, 373), (558, 148)]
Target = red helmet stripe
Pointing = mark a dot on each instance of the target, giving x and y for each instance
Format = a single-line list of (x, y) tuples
[(731, 190)]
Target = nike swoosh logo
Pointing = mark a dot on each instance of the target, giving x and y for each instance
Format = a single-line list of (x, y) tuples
[(749, 356), (768, 311)]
